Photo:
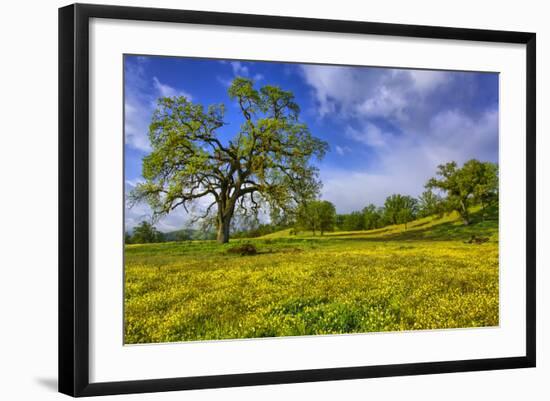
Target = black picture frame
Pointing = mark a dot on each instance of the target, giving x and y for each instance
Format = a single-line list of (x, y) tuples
[(74, 199)]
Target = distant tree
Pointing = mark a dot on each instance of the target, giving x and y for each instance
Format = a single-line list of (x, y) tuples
[(340, 218), (354, 221), (127, 238), (266, 162), (408, 212), (372, 217), (146, 233), (391, 208), (475, 183), (183, 235), (400, 209), (430, 204), (327, 216), (304, 219), (316, 216)]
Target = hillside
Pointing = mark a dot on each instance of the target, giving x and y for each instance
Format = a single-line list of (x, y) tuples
[(448, 227)]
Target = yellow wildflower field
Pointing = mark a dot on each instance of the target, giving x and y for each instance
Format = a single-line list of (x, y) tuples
[(428, 276)]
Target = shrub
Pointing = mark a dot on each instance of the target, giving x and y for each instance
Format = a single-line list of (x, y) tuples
[(243, 250)]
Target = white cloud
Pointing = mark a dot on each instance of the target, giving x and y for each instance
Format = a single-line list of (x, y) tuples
[(406, 165), (224, 81), (353, 190), (426, 80), (457, 136), (239, 68), (139, 102), (136, 124), (131, 184), (385, 103), (342, 150), (377, 92), (164, 90), (331, 85), (134, 215), (370, 135), (408, 121), (135, 103)]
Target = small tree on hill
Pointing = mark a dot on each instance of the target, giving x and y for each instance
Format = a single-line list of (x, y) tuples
[(146, 233), (475, 183), (400, 209), (354, 221), (430, 204), (316, 216), (372, 217), (340, 218)]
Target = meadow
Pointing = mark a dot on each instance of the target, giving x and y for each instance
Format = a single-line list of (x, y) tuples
[(435, 274)]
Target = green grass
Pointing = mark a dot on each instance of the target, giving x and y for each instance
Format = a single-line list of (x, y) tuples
[(425, 277)]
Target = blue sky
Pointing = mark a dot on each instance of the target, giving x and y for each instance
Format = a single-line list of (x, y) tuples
[(387, 128)]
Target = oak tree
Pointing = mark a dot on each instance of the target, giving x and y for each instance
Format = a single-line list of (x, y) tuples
[(475, 182), (266, 162)]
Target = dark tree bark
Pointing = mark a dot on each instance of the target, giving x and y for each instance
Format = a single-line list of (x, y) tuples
[(223, 230)]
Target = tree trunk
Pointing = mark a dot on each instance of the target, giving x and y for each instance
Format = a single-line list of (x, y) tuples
[(464, 214), (223, 229), (225, 214)]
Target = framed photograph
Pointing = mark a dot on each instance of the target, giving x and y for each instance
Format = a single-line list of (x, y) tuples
[(250, 199)]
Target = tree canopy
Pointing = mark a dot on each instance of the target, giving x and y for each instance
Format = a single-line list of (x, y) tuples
[(430, 203), (144, 233), (316, 216), (474, 183), (400, 209), (266, 162), (353, 221), (373, 217)]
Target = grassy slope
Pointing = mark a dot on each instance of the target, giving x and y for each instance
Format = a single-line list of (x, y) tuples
[(446, 228), (388, 279)]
